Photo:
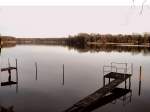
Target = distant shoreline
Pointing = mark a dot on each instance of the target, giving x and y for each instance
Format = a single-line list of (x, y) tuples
[(83, 39)]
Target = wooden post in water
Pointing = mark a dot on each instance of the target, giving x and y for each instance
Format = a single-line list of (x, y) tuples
[(36, 71), (16, 75), (103, 80), (9, 71), (130, 82), (130, 76), (132, 69), (16, 64), (8, 63), (125, 75), (109, 80), (63, 75), (140, 80), (16, 70)]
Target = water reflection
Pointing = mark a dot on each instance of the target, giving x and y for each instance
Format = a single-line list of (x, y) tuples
[(118, 94), (99, 47), (110, 48)]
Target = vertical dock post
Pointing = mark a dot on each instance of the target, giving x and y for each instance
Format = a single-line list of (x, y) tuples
[(129, 82), (16, 64), (132, 69), (16, 75), (63, 75), (9, 71), (103, 80), (130, 76), (8, 63), (35, 70), (125, 75), (140, 80)]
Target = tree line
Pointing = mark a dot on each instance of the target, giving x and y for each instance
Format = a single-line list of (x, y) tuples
[(84, 38)]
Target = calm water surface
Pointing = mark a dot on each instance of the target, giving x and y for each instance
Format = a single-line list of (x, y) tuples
[(83, 74)]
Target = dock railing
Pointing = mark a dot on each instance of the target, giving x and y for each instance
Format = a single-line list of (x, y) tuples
[(124, 68), (108, 69)]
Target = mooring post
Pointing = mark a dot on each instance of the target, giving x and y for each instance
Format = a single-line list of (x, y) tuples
[(35, 70), (8, 63), (109, 80), (9, 71), (16, 75), (132, 69), (126, 68), (140, 73), (16, 64), (125, 84), (103, 80), (140, 80), (130, 82), (16, 71), (63, 75), (131, 75)]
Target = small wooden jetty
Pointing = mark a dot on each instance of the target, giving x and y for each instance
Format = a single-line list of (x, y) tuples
[(9, 69), (115, 79)]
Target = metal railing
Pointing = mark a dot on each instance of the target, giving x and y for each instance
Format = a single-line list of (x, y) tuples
[(116, 67)]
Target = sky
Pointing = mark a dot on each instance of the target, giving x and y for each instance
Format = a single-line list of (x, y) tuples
[(61, 21)]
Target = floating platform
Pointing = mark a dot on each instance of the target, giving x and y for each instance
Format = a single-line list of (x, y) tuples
[(116, 75), (98, 95)]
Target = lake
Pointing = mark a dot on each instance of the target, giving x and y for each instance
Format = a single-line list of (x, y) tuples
[(48, 90)]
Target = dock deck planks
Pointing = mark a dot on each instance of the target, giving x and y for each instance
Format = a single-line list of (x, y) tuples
[(100, 93)]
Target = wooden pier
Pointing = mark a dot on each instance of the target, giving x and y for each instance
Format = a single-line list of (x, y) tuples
[(9, 69), (84, 104)]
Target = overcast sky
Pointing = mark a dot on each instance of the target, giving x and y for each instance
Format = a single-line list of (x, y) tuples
[(59, 21)]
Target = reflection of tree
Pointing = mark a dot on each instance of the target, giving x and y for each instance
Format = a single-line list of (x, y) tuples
[(110, 48)]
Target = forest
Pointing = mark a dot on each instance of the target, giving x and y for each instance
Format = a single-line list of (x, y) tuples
[(84, 38)]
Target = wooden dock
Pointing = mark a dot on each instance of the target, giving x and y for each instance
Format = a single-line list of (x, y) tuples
[(9, 69), (85, 103), (111, 98)]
